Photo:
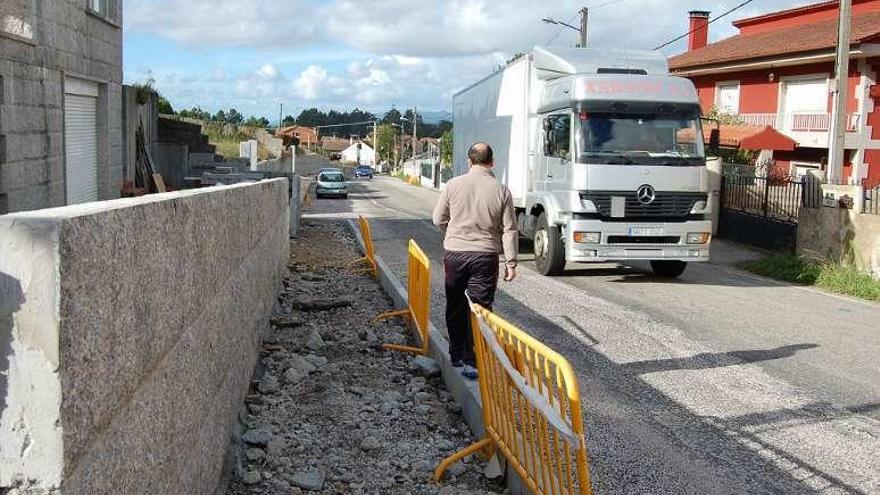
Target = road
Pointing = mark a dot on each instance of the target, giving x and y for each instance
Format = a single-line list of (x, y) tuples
[(718, 382)]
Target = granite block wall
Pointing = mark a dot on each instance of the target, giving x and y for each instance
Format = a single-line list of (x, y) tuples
[(128, 333)]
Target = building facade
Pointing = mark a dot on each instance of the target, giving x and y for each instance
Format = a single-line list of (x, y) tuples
[(779, 71), (359, 152), (60, 102)]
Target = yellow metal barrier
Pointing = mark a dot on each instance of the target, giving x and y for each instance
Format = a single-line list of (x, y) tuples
[(418, 299), (531, 409), (369, 250)]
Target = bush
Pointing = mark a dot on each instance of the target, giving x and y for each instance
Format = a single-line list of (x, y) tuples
[(835, 276)]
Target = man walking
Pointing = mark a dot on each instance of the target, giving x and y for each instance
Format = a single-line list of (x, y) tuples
[(475, 214)]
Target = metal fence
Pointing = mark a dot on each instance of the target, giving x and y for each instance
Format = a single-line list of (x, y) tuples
[(772, 197)]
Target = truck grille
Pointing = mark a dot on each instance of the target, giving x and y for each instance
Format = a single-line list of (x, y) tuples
[(666, 205)]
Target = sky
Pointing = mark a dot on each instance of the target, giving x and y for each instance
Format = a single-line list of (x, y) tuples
[(254, 55)]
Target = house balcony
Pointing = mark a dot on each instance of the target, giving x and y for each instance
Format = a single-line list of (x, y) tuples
[(808, 129)]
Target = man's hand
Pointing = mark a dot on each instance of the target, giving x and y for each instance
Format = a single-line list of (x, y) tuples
[(509, 273)]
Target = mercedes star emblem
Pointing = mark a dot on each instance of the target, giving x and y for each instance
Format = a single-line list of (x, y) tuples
[(645, 194)]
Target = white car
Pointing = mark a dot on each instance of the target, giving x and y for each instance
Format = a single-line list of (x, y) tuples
[(331, 183)]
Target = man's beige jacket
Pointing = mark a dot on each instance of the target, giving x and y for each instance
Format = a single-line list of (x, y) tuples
[(475, 213)]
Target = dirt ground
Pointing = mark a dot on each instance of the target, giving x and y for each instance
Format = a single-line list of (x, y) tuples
[(332, 412)]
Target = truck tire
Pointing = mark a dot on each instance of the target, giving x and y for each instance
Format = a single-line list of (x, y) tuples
[(668, 268), (549, 248)]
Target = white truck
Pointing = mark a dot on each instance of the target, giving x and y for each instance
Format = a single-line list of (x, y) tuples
[(603, 152)]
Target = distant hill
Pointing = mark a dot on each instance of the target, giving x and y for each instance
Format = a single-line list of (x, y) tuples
[(435, 116)]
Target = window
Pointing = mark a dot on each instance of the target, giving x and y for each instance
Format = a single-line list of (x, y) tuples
[(727, 97), (17, 19), (103, 8), (640, 138), (558, 136)]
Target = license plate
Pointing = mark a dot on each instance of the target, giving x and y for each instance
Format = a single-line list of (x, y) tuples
[(645, 231)]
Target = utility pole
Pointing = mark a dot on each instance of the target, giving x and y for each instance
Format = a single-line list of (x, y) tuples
[(415, 130), (375, 144), (585, 12), (839, 121), (280, 113)]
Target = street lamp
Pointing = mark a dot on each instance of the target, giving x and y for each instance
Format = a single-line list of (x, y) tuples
[(582, 31)]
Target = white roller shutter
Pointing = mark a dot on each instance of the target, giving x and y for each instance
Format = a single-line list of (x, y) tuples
[(81, 140)]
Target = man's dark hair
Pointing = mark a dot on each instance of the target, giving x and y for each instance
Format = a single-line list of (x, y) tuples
[(480, 154)]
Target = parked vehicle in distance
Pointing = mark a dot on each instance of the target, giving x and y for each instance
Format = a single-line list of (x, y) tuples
[(363, 171), (331, 183), (602, 151)]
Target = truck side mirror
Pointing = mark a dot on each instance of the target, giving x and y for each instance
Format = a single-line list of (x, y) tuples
[(548, 141), (714, 141)]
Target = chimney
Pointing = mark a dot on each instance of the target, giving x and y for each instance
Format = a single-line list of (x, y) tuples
[(699, 29)]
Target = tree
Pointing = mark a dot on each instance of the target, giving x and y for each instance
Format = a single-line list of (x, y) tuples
[(233, 117), (442, 127), (386, 138), (164, 106), (446, 147), (723, 117), (195, 113), (391, 117), (220, 116), (257, 122), (288, 121)]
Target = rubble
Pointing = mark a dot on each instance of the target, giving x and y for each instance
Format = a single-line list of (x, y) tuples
[(347, 417)]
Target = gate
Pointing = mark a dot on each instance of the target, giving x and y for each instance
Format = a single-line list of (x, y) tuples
[(763, 211)]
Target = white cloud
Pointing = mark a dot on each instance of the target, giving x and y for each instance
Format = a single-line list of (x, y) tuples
[(268, 71), (309, 83), (398, 52), (225, 22)]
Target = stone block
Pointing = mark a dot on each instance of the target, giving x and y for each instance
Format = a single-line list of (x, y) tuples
[(134, 335)]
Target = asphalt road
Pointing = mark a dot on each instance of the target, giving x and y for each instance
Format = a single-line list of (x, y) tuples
[(718, 382)]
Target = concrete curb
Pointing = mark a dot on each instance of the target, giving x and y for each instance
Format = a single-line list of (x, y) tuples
[(466, 392)]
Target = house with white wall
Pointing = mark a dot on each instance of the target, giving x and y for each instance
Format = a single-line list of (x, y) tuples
[(359, 152)]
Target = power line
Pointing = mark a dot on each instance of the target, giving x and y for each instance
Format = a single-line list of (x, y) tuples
[(559, 31), (707, 24), (610, 2)]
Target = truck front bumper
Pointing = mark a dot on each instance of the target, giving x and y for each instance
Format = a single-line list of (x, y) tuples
[(636, 241)]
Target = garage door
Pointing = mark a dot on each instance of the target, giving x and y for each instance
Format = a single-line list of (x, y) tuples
[(81, 140)]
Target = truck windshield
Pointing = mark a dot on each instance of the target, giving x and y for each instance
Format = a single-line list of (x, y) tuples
[(643, 139)]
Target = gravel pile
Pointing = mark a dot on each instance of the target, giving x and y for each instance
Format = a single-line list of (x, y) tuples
[(330, 411)]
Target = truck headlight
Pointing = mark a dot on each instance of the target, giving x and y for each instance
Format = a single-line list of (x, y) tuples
[(698, 206), (587, 237), (698, 237)]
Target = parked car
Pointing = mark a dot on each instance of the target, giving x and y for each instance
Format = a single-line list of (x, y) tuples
[(331, 183), (363, 171)]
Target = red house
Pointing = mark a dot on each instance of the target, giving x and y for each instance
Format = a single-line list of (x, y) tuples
[(779, 71)]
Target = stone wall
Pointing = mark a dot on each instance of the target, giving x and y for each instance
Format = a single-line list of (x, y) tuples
[(129, 330), (40, 41), (836, 233)]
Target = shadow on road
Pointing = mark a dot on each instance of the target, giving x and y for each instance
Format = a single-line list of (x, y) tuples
[(629, 421), (713, 360)]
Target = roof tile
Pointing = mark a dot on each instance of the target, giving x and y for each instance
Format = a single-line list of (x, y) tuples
[(799, 39)]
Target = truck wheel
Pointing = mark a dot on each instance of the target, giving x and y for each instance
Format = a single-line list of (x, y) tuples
[(549, 248), (668, 268)]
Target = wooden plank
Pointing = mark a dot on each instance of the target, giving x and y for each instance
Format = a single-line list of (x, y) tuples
[(160, 183)]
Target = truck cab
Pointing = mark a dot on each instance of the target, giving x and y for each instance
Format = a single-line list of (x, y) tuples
[(604, 156)]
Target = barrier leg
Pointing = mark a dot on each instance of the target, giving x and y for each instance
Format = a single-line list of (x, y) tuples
[(405, 314), (461, 454), (362, 270)]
